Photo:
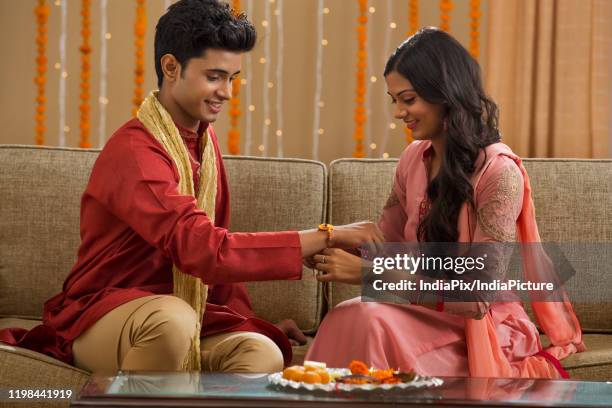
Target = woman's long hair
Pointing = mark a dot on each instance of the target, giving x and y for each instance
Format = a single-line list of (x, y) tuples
[(442, 72)]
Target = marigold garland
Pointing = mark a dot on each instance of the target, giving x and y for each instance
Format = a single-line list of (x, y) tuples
[(85, 50), (413, 26), (360, 113), (413, 16), (140, 28), (408, 134), (445, 9), (474, 28), (233, 139), (42, 15)]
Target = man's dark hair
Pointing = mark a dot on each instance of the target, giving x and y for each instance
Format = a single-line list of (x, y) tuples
[(190, 27)]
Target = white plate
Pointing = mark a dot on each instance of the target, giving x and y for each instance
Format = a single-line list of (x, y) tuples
[(418, 382)]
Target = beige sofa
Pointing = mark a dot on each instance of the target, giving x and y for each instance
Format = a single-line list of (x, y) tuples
[(40, 190)]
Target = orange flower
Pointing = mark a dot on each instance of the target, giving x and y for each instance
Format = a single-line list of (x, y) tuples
[(382, 374), (41, 11), (358, 367), (413, 17), (408, 134), (446, 7), (474, 25), (233, 136), (140, 28), (360, 82), (85, 75)]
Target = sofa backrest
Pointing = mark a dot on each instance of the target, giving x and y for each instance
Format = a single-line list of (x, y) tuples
[(41, 187), (358, 190), (276, 195), (40, 193), (573, 201)]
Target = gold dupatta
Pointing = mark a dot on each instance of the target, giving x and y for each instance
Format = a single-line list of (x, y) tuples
[(160, 124)]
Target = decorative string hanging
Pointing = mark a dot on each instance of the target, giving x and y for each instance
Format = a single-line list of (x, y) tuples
[(42, 15), (61, 67), (388, 124), (248, 137), (370, 80), (85, 50), (280, 54), (317, 130), (103, 99), (446, 6), (360, 117), (265, 60), (140, 28), (413, 26), (474, 28), (233, 136)]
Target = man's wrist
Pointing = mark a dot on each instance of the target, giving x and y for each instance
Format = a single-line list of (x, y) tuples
[(328, 229)]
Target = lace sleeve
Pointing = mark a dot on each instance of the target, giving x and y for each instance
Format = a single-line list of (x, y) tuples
[(392, 201), (499, 203)]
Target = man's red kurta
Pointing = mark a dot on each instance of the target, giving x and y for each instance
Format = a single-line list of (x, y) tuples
[(135, 225)]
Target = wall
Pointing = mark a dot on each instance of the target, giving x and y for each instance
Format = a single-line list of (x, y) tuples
[(18, 47)]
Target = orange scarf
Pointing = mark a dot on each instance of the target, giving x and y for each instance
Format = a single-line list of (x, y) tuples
[(557, 319)]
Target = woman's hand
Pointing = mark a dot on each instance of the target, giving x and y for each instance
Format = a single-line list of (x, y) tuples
[(338, 266), (358, 234)]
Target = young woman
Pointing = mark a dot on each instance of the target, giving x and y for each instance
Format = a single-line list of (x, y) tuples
[(455, 183)]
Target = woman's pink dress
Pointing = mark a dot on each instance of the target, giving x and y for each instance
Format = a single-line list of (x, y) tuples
[(431, 342)]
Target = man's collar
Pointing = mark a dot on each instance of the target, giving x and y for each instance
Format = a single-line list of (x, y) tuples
[(190, 134)]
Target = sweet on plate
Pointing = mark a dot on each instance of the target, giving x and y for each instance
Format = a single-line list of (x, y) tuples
[(313, 372)]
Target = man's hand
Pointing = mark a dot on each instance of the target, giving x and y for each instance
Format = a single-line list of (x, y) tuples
[(295, 335), (354, 235)]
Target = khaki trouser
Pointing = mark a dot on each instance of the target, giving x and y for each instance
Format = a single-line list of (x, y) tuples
[(154, 333)]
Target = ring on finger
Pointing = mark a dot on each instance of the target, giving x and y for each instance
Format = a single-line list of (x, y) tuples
[(323, 259)]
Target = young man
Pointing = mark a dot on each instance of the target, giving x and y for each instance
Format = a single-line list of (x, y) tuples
[(154, 220)]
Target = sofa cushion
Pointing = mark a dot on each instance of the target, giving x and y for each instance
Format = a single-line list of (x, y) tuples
[(275, 195), (299, 352), (593, 364), (25, 369), (8, 322), (358, 191)]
